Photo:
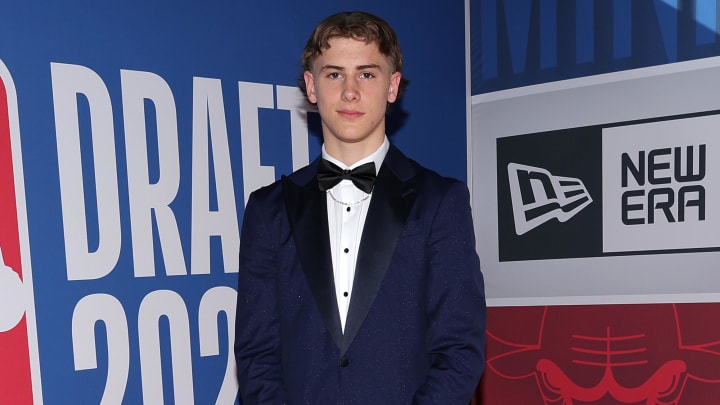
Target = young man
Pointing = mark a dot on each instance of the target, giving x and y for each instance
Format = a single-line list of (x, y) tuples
[(357, 289)]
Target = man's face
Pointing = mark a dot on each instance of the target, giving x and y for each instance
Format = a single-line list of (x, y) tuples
[(352, 82)]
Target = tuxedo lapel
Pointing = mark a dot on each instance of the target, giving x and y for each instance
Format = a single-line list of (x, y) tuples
[(307, 212), (393, 197)]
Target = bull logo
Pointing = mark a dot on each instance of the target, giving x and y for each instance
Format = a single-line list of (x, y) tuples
[(609, 354)]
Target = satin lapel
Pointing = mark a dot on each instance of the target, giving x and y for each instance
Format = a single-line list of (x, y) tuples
[(307, 211), (391, 203)]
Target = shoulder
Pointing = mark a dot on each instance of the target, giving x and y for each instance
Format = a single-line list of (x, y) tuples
[(428, 180), (437, 180), (442, 191), (274, 191), (265, 195)]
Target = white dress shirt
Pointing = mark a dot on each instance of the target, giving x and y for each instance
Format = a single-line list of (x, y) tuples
[(347, 208)]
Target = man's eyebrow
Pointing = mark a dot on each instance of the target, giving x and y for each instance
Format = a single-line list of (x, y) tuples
[(359, 67), (331, 67), (368, 66)]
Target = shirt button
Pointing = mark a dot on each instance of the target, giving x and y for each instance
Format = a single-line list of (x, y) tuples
[(346, 250), (348, 209), (344, 362), (345, 294)]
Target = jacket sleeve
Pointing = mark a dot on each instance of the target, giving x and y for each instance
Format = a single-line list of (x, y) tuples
[(257, 342), (456, 304)]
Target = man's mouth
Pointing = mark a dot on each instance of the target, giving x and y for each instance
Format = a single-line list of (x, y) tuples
[(350, 114)]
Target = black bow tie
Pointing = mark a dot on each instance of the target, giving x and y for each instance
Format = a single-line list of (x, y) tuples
[(330, 174)]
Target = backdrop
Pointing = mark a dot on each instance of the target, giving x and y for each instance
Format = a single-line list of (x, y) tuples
[(131, 134), (596, 190)]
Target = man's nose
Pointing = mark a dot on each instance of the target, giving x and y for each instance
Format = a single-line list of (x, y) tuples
[(350, 90)]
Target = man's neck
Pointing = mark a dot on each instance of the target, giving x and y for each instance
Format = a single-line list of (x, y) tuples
[(351, 153), (377, 155)]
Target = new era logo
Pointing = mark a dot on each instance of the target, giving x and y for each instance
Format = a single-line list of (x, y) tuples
[(538, 196)]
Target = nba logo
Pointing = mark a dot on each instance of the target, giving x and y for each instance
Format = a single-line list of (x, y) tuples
[(20, 366)]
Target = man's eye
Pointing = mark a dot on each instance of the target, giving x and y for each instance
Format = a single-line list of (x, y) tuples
[(333, 75), (366, 75)]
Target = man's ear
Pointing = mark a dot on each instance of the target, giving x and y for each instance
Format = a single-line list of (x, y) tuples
[(394, 85), (310, 86)]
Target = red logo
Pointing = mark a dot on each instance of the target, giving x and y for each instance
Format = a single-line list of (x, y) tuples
[(655, 354), (18, 340)]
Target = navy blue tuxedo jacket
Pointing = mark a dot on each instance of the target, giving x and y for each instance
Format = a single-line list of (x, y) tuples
[(415, 330)]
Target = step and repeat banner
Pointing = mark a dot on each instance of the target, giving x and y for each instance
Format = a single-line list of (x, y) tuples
[(131, 134), (596, 184)]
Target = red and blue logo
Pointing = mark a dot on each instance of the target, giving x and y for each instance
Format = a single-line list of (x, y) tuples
[(19, 367)]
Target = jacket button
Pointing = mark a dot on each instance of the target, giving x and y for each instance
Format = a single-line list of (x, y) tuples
[(344, 362)]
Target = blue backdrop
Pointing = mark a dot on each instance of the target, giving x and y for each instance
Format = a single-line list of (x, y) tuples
[(137, 122)]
